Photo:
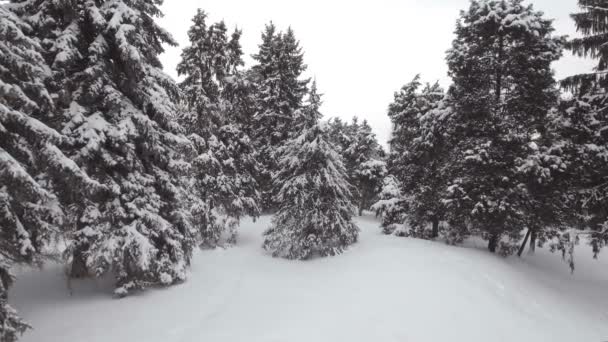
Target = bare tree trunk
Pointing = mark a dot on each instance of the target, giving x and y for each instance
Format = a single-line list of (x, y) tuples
[(498, 85), (78, 268), (523, 244), (533, 238), (493, 243), (435, 233)]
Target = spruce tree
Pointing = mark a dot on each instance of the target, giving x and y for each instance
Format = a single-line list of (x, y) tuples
[(503, 89), (391, 207), (28, 209), (36, 178), (118, 107), (314, 197), (419, 154), (576, 156), (369, 168), (279, 97), (223, 172)]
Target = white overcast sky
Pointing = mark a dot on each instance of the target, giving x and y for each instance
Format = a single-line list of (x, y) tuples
[(360, 51)]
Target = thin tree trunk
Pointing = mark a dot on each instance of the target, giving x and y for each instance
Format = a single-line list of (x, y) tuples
[(533, 238), (78, 268), (435, 232), (493, 243), (498, 89), (523, 244)]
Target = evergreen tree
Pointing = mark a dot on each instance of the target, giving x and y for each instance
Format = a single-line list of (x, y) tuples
[(28, 210), (117, 106), (575, 158), (310, 113), (369, 167), (315, 200), (223, 179), (503, 89), (35, 176), (279, 98), (391, 207), (419, 154)]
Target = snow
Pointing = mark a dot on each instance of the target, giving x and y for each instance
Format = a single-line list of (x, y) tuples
[(383, 288)]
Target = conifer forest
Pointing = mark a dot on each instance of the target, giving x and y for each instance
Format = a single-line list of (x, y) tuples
[(225, 204)]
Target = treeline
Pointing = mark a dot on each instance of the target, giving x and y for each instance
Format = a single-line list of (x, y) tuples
[(102, 151), (504, 154)]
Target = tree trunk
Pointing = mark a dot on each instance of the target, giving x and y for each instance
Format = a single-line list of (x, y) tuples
[(78, 268), (533, 238), (523, 244), (493, 243), (498, 85), (435, 233)]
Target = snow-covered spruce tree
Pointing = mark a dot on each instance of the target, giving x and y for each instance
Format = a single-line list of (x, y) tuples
[(223, 184), (117, 106), (419, 153), (314, 197), (35, 176), (500, 105), (367, 169), (310, 113), (29, 211), (279, 97), (579, 145), (391, 207)]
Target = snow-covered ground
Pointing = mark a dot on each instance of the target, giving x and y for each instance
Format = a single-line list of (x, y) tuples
[(382, 289)]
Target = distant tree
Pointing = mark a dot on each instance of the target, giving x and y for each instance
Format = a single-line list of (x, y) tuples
[(419, 153), (279, 95), (391, 207), (503, 89), (223, 184), (315, 200), (363, 158)]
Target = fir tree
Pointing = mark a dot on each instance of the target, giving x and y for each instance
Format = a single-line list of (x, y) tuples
[(223, 170), (500, 104), (315, 200), (117, 106)]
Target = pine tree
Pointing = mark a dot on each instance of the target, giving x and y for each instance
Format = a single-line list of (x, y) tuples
[(315, 200), (118, 107), (279, 98), (500, 104), (223, 171)]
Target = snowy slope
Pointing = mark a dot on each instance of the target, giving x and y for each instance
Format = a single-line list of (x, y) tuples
[(382, 289)]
